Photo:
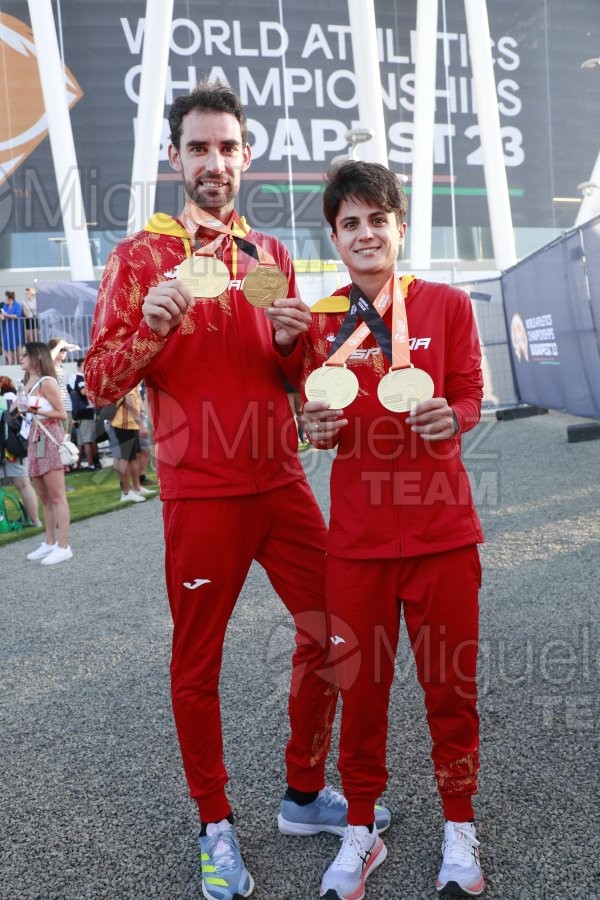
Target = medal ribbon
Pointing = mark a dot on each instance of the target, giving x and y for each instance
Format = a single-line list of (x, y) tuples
[(191, 226), (373, 320), (194, 217), (394, 344)]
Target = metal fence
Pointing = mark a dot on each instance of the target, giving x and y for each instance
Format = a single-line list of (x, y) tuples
[(498, 378), (74, 329)]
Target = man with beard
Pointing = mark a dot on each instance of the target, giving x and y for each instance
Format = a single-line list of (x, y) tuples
[(178, 309)]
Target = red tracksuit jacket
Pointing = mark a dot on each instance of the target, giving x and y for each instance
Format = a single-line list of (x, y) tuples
[(392, 493), (221, 418)]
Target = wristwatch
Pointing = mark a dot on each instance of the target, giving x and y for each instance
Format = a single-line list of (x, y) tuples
[(456, 425)]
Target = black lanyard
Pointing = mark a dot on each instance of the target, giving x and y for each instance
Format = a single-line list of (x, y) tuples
[(361, 306)]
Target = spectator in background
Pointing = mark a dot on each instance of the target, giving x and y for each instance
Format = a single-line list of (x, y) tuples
[(59, 348), (31, 321), (146, 444), (8, 390), (129, 427), (15, 469), (43, 459), (11, 317), (84, 415)]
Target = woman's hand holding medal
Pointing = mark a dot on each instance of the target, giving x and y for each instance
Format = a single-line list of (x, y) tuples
[(432, 419), (322, 424)]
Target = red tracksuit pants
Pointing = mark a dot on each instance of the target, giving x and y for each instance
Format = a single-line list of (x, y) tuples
[(210, 545), (439, 596)]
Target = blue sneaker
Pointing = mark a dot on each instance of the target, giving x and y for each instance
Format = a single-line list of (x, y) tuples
[(224, 875), (329, 812)]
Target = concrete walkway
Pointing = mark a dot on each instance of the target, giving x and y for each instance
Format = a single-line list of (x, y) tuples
[(94, 804)]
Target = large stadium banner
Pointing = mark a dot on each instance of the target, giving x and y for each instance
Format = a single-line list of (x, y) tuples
[(294, 72), (554, 336)]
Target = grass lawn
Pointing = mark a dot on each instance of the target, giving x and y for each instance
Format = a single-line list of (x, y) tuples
[(93, 493)]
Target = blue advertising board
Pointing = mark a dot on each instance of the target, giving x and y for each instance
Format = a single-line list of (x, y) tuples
[(552, 323)]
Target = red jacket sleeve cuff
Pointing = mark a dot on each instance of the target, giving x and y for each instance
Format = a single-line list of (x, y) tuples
[(291, 364)]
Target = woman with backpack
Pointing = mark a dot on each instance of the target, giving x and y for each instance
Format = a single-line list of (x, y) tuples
[(46, 433)]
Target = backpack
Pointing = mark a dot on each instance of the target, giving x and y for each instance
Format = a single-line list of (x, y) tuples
[(11, 440), (107, 413), (13, 515), (78, 403)]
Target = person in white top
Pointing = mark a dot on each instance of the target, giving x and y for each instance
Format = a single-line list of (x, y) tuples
[(59, 348), (46, 414)]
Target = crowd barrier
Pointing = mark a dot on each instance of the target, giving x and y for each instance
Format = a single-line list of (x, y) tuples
[(552, 306)]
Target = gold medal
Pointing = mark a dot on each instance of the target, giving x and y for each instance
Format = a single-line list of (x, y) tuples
[(265, 284), (205, 276), (337, 385), (400, 388)]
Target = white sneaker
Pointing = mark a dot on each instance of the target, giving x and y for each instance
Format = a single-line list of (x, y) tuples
[(460, 874), (361, 852), (132, 497), (146, 492), (43, 550), (58, 555)]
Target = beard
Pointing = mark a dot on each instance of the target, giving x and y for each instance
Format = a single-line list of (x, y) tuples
[(211, 198)]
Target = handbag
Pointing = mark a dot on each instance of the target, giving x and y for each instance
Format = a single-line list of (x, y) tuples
[(67, 450)]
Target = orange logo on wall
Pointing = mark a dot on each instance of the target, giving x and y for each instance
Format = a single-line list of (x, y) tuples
[(23, 123)]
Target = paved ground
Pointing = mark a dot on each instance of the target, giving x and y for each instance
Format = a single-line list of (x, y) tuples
[(94, 804)]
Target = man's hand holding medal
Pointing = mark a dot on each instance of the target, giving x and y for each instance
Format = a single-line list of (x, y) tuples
[(165, 305), (290, 318)]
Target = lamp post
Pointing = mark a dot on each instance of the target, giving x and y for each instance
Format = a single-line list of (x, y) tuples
[(587, 188), (353, 137), (357, 136)]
